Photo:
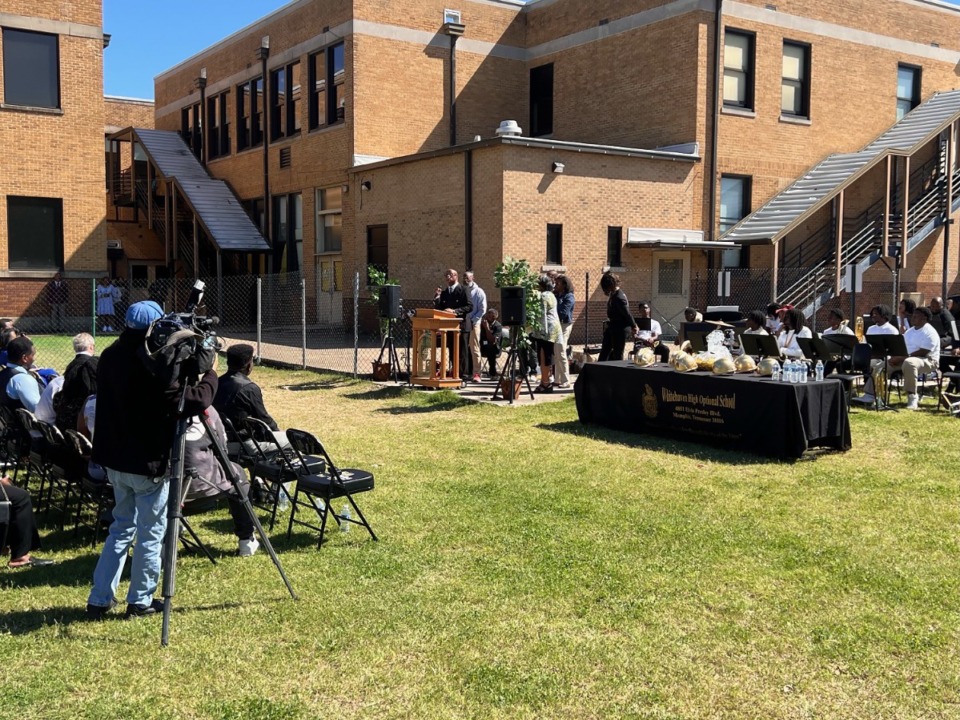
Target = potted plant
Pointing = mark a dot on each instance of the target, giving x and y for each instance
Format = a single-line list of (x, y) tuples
[(517, 273)]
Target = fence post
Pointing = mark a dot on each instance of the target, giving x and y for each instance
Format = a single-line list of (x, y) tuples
[(303, 320), (356, 320), (586, 310), (259, 315), (93, 299)]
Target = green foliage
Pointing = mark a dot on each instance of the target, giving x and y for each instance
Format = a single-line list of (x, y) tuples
[(376, 279), (518, 273)]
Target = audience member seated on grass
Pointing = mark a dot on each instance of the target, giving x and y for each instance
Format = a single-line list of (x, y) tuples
[(923, 346), (21, 532), (79, 382), (794, 326), (209, 483), (238, 397), (21, 388)]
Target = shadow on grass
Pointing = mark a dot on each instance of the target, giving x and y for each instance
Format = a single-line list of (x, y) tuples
[(70, 572), (660, 443), (318, 385), (383, 392), (22, 622), (433, 402)]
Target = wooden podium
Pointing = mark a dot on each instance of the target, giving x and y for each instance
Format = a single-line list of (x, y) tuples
[(430, 360)]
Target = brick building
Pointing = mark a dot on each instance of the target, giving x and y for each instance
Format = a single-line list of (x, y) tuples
[(372, 127)]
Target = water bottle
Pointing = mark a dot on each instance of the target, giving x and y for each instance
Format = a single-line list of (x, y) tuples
[(775, 375), (283, 496), (786, 371), (794, 372), (804, 370), (819, 370), (345, 518)]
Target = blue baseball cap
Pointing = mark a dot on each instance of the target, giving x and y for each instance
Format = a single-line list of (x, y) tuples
[(141, 314)]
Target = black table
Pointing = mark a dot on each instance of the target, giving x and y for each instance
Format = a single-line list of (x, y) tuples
[(742, 411)]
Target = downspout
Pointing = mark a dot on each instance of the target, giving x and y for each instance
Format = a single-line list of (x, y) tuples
[(263, 53), (715, 111), (468, 209), (453, 30)]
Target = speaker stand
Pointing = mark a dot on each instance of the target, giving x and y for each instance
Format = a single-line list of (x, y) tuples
[(509, 371), (390, 347)]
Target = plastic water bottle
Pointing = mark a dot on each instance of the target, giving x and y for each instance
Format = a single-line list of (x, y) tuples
[(775, 375), (794, 372), (804, 371), (283, 498), (345, 521), (819, 370)]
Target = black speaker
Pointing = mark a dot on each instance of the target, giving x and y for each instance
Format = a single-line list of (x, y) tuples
[(389, 306), (513, 306)]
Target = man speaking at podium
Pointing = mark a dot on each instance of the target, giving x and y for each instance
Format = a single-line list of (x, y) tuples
[(454, 298)]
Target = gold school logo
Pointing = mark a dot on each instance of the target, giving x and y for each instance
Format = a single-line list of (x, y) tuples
[(649, 402)]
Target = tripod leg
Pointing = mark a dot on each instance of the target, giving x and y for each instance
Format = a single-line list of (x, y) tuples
[(196, 539), (172, 538), (221, 454)]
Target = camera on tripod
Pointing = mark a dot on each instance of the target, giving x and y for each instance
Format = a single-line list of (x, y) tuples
[(177, 337)]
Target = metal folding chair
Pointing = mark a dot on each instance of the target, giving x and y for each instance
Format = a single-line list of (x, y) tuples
[(96, 493)]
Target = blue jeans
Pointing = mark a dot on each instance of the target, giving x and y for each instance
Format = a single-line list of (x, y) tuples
[(141, 504)]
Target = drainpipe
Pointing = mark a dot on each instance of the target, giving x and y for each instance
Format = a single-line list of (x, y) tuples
[(201, 83), (715, 111), (468, 208), (263, 53), (453, 30)]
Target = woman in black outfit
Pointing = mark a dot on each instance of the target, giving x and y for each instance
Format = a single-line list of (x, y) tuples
[(620, 323)]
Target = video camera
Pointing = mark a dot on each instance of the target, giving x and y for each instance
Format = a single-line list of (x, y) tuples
[(175, 338)]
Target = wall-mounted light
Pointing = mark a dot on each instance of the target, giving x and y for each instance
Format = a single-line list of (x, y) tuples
[(366, 185), (557, 167), (201, 81), (263, 52)]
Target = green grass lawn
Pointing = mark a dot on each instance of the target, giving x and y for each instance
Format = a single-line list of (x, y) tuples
[(531, 567)]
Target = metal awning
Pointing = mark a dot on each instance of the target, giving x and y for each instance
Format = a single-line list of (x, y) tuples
[(822, 182), (673, 239)]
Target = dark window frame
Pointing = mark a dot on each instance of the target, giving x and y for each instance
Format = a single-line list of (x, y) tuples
[(554, 248), (191, 127), (283, 104), (614, 246), (746, 200), (803, 84), (218, 130), (383, 251), (541, 100), (916, 91), (13, 65), (250, 113), (323, 108), (749, 73), (283, 236), (33, 239)]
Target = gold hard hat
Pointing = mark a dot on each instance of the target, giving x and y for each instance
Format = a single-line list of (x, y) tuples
[(766, 366), (645, 356), (723, 366), (685, 362), (745, 363)]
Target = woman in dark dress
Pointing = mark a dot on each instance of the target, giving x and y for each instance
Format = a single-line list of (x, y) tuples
[(620, 323)]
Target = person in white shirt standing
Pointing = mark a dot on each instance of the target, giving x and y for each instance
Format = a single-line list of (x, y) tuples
[(478, 299), (923, 346)]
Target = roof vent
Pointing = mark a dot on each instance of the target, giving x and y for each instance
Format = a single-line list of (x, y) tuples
[(509, 128)]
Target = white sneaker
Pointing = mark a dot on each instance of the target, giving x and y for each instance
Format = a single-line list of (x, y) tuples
[(913, 402), (866, 398), (248, 546)]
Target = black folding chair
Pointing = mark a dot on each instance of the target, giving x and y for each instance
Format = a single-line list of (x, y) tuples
[(860, 368), (325, 486), (96, 493), (32, 448), (62, 471)]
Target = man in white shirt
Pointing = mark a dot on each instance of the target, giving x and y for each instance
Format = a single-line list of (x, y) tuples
[(923, 346), (478, 298), (880, 314), (651, 338)]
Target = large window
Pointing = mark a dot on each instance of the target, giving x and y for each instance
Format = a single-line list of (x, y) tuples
[(795, 82), (35, 233), (554, 244), (738, 60), (541, 100), (249, 114), (31, 69), (287, 216), (329, 220), (734, 206), (908, 89), (327, 98), (614, 245), (284, 99), (191, 128), (377, 236), (218, 134)]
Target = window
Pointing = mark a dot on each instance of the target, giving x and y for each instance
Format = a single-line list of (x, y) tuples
[(287, 216), (249, 113), (218, 134), (734, 206), (795, 82), (284, 93), (31, 69), (377, 246), (329, 220), (738, 69), (35, 233), (326, 71), (908, 89), (614, 244), (254, 209), (191, 128), (554, 244), (541, 100)]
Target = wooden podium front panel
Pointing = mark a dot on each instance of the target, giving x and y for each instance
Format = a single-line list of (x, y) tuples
[(428, 324)]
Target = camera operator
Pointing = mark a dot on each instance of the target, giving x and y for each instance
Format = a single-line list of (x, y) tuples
[(135, 426)]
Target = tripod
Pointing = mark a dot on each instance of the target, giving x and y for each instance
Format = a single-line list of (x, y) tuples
[(509, 371), (175, 513), (390, 347)]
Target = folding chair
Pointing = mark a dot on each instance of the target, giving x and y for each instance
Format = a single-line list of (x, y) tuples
[(10, 441), (859, 368), (329, 485), (32, 448), (96, 493), (274, 465), (62, 470)]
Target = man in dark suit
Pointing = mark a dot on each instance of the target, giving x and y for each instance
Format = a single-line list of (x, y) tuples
[(454, 298), (79, 383)]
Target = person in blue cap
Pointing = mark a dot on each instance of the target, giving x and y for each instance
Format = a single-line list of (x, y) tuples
[(135, 424)]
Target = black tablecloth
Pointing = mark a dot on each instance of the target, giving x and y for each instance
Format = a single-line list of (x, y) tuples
[(742, 412)]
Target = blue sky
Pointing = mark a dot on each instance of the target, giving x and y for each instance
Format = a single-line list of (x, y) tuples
[(149, 37)]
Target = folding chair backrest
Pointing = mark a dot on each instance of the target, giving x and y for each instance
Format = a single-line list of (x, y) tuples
[(51, 434), (28, 421), (861, 357), (305, 444), (236, 449), (262, 436)]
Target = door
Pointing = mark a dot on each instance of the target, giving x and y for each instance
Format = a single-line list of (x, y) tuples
[(329, 284), (671, 288)]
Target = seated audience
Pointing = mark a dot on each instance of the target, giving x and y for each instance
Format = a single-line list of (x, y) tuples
[(21, 388), (21, 532), (773, 318), (238, 397), (794, 326), (45, 411), (923, 354), (904, 314), (756, 323), (79, 382), (838, 325)]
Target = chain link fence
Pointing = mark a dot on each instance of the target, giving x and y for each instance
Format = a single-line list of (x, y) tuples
[(327, 320)]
